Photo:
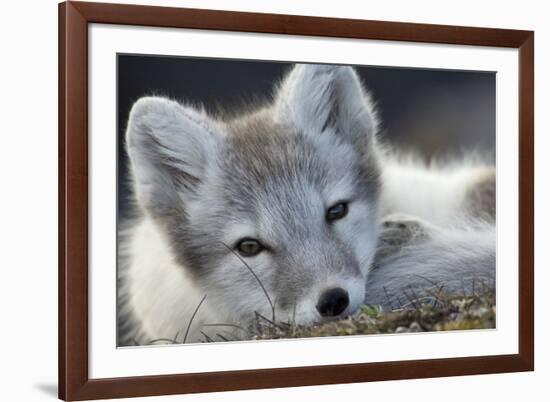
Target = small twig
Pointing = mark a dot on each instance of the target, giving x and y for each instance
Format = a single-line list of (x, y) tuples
[(413, 292), (273, 323), (192, 318), (399, 304), (223, 338), (411, 300), (419, 299), (436, 296), (388, 297), (208, 339)]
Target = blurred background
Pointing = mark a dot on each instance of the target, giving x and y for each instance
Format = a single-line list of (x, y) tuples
[(435, 113)]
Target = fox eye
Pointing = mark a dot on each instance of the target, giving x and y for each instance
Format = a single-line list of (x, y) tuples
[(337, 211), (249, 247)]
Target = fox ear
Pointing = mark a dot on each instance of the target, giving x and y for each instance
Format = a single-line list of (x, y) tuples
[(169, 147), (323, 98)]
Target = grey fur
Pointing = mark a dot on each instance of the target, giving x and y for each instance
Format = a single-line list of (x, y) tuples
[(429, 261)]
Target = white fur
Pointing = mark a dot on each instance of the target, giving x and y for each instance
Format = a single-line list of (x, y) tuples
[(433, 193), (156, 284)]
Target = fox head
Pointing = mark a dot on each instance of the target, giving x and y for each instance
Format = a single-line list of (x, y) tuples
[(277, 208)]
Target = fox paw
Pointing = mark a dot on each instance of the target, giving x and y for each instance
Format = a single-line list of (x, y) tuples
[(398, 231)]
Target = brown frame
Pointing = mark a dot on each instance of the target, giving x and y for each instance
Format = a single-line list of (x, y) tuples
[(74, 18)]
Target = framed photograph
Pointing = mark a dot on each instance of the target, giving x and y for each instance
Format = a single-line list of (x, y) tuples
[(259, 200)]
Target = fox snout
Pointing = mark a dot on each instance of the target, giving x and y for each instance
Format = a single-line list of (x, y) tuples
[(333, 302)]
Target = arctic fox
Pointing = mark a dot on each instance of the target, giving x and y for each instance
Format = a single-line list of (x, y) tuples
[(294, 209)]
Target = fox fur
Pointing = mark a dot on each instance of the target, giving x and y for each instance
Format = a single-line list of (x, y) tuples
[(202, 184)]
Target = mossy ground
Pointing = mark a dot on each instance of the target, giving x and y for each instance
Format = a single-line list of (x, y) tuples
[(427, 314), (447, 314)]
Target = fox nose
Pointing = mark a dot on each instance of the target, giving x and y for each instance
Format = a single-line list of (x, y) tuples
[(332, 302)]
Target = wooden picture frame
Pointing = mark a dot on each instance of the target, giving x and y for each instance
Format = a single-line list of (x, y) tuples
[(74, 381)]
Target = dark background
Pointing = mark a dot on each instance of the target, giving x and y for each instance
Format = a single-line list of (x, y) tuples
[(435, 113)]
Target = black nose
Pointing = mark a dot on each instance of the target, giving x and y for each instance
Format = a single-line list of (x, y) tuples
[(333, 302)]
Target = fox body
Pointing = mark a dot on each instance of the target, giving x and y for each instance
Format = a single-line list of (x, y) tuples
[(293, 211)]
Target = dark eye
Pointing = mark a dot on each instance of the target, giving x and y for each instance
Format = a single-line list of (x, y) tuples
[(337, 211), (249, 247)]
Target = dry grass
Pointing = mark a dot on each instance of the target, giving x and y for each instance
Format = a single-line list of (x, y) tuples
[(449, 313), (425, 314)]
